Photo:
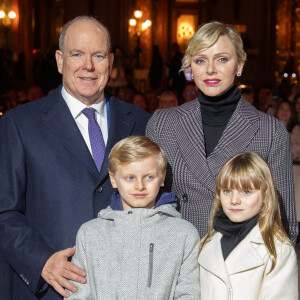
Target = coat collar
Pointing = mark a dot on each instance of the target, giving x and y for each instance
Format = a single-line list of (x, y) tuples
[(244, 257), (237, 135)]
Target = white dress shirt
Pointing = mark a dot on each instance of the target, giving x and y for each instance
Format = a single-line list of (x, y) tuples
[(81, 120)]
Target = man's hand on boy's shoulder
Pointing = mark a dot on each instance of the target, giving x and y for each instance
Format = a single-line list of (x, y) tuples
[(58, 271)]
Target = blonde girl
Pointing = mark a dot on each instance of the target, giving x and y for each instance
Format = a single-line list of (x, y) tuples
[(246, 253)]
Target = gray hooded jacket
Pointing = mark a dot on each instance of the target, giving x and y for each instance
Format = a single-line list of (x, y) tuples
[(138, 254)]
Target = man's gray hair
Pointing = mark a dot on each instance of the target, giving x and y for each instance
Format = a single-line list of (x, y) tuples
[(78, 19)]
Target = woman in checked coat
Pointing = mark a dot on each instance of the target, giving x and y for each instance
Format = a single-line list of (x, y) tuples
[(198, 137)]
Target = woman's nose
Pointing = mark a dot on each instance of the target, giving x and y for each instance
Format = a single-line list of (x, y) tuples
[(211, 68)]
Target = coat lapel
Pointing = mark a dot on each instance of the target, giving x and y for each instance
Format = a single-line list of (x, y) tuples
[(57, 117), (211, 258), (121, 125), (237, 135), (245, 257), (190, 138)]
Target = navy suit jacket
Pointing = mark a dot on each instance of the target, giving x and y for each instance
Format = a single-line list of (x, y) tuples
[(50, 185)]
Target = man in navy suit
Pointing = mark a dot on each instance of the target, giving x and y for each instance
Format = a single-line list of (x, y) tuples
[(50, 184)]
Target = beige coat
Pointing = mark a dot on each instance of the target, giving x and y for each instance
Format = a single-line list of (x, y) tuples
[(243, 276)]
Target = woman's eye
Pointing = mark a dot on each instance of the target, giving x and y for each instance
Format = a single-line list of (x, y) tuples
[(199, 61)]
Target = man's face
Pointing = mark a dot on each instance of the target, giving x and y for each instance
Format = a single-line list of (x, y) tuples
[(85, 62)]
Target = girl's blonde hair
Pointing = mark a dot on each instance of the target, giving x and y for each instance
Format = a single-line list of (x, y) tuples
[(207, 35), (248, 171)]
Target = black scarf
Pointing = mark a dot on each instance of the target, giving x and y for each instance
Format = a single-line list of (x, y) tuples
[(233, 233)]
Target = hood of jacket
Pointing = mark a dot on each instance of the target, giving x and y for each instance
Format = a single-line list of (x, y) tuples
[(165, 205)]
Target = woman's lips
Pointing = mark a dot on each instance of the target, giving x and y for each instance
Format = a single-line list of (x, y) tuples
[(213, 81)]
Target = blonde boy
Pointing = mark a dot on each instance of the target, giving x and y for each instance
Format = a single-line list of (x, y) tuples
[(139, 247)]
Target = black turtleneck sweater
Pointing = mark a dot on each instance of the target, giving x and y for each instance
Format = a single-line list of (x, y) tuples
[(216, 113)]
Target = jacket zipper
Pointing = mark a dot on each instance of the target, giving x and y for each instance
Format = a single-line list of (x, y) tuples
[(151, 248)]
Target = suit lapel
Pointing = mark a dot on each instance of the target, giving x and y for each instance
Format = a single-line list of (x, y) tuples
[(237, 135), (57, 117), (190, 138), (121, 126)]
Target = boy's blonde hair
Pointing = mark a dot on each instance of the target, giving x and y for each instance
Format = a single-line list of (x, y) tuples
[(248, 171), (135, 148), (207, 35)]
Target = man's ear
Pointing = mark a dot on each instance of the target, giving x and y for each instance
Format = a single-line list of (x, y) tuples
[(59, 61), (112, 180)]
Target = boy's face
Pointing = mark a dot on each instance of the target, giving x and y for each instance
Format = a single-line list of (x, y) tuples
[(138, 182)]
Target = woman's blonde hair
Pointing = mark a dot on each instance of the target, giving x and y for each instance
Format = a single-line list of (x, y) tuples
[(135, 148), (207, 35), (248, 171)]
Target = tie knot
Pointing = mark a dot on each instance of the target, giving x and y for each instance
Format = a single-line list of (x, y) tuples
[(89, 113)]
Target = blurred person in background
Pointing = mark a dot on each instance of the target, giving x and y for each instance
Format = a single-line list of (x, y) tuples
[(167, 99), (190, 92), (155, 72), (248, 94), (296, 107), (152, 101), (139, 100), (287, 114)]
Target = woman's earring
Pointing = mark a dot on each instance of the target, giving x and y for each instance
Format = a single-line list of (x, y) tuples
[(192, 76), (238, 74)]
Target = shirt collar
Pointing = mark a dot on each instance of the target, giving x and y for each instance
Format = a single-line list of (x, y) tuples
[(77, 106)]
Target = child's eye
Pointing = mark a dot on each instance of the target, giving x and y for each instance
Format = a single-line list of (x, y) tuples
[(227, 192), (149, 177), (129, 178), (246, 192)]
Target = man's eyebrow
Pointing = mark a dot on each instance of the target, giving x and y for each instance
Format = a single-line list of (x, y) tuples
[(75, 50)]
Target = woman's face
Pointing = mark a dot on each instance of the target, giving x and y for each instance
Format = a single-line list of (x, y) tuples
[(214, 69), (284, 112)]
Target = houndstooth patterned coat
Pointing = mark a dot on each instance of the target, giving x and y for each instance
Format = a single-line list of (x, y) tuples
[(179, 132)]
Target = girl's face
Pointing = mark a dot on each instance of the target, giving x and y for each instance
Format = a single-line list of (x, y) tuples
[(284, 112), (240, 205), (214, 69)]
